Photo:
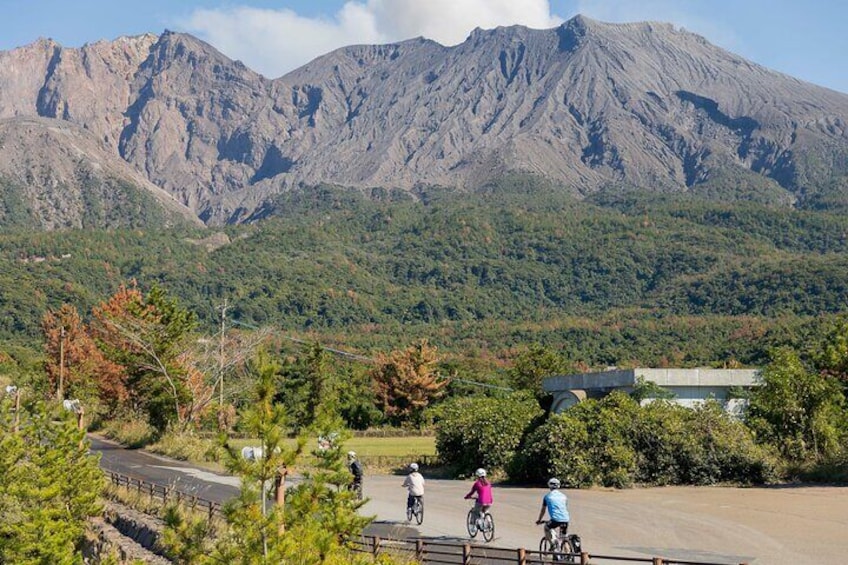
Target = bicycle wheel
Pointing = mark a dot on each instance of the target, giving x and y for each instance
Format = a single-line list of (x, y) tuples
[(471, 524), (488, 527), (565, 551), (419, 511), (546, 549), (410, 511)]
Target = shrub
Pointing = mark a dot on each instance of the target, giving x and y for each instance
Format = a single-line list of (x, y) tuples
[(616, 442), (131, 433), (482, 431), (186, 447), (557, 448)]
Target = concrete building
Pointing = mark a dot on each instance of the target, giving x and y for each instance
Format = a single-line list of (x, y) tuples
[(689, 386)]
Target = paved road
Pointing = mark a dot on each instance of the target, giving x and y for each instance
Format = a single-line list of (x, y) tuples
[(781, 525)]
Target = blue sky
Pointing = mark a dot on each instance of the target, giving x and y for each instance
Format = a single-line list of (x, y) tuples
[(803, 39)]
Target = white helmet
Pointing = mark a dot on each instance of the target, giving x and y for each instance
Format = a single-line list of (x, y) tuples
[(413, 466), (553, 483), (480, 472), (351, 455)]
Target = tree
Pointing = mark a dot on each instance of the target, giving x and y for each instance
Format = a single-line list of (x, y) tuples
[(76, 368), (797, 409), (151, 337), (49, 487), (318, 516), (308, 387), (532, 366), (407, 381), (830, 353), (266, 421)]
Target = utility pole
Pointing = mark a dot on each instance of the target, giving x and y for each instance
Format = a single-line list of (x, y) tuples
[(222, 416), (60, 393)]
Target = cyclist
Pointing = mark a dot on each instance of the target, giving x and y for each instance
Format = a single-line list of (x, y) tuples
[(556, 504), (414, 484), (483, 489), (355, 468)]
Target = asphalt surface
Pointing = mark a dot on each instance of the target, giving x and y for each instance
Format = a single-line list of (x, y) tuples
[(780, 525)]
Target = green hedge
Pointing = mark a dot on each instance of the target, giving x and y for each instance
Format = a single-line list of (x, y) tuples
[(616, 442), (482, 432)]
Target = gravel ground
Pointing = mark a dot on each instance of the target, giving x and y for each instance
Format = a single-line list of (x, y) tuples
[(772, 525)]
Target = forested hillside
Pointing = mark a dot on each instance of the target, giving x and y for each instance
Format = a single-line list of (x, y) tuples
[(627, 279)]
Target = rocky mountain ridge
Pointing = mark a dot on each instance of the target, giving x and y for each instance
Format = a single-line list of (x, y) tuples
[(587, 106)]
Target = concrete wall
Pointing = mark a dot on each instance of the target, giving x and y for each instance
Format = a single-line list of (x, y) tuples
[(690, 387)]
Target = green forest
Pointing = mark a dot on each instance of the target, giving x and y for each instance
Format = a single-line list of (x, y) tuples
[(614, 280)]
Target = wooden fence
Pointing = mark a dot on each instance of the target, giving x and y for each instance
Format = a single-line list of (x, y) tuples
[(456, 553), (164, 493)]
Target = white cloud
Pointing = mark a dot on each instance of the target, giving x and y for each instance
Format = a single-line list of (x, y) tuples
[(273, 42)]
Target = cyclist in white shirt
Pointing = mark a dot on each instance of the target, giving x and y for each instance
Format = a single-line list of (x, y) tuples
[(414, 484)]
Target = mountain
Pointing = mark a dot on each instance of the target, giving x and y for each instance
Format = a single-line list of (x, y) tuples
[(588, 107), (54, 174)]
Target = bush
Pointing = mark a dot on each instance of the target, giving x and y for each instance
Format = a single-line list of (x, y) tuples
[(130, 433), (482, 431), (555, 449), (616, 442), (698, 446), (186, 447)]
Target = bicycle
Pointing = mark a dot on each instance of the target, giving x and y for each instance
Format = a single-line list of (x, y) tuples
[(561, 547), (356, 488), (485, 523), (416, 510)]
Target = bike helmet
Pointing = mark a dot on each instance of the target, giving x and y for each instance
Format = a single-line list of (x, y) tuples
[(553, 483), (480, 472), (351, 455), (413, 466)]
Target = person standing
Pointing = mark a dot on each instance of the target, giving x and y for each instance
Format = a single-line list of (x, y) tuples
[(414, 485), (482, 488)]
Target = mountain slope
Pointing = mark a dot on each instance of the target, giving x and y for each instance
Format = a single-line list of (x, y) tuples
[(588, 106), (55, 175)]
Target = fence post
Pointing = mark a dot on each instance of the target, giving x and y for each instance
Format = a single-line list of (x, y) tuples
[(376, 548), (657, 561), (419, 548), (522, 556), (466, 554), (584, 558)]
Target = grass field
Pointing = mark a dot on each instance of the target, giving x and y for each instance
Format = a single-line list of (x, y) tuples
[(378, 454), (375, 447)]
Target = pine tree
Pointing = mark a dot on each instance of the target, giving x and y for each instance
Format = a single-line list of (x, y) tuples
[(407, 381), (49, 487), (319, 515)]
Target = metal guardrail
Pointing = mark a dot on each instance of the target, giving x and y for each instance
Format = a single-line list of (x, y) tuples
[(164, 493), (424, 551), (429, 552)]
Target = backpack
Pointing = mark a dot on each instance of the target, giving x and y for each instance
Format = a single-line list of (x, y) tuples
[(576, 543)]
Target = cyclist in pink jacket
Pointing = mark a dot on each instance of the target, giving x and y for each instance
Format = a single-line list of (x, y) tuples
[(483, 490)]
